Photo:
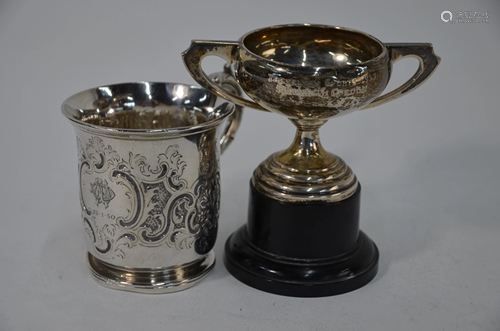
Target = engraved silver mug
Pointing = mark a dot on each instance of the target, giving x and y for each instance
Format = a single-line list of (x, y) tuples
[(149, 180)]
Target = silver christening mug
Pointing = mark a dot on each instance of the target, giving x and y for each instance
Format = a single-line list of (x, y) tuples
[(149, 180)]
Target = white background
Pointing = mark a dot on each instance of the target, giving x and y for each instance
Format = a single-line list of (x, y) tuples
[(428, 163)]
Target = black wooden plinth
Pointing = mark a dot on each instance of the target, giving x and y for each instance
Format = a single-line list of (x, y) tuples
[(302, 249)]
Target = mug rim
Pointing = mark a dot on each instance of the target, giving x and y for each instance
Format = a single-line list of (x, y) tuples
[(323, 26), (67, 110)]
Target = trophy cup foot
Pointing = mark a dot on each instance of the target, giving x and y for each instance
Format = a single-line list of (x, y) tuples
[(302, 250), (151, 280), (300, 279)]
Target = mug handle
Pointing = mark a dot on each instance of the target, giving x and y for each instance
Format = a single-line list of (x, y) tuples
[(428, 62), (226, 81), (197, 51)]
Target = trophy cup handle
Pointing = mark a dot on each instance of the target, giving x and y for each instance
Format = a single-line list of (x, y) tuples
[(197, 51), (429, 61), (228, 83)]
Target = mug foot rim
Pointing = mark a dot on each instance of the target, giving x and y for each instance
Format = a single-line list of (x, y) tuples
[(149, 280)]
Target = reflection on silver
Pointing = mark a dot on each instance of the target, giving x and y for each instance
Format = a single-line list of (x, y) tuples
[(147, 89), (180, 91)]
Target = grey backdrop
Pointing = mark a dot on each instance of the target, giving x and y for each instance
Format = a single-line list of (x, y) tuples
[(428, 163)]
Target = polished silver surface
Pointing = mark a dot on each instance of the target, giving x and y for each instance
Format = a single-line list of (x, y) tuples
[(309, 73), (151, 280), (149, 180)]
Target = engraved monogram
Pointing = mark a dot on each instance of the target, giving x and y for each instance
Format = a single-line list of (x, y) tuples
[(150, 204), (102, 193)]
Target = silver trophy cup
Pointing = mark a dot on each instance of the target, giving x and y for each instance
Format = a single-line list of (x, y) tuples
[(302, 237), (149, 180)]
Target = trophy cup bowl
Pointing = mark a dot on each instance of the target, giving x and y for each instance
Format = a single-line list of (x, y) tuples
[(302, 237)]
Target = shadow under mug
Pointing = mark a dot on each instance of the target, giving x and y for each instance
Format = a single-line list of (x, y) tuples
[(149, 180)]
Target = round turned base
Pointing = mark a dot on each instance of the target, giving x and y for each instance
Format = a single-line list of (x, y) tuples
[(300, 279), (148, 280), (302, 250)]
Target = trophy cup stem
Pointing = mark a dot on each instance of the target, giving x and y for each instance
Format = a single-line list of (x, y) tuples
[(306, 151)]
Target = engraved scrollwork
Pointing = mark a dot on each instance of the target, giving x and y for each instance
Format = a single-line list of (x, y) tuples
[(182, 212), (206, 220), (122, 176), (170, 167), (124, 242), (156, 225), (95, 157), (207, 191), (162, 208), (101, 237), (99, 156)]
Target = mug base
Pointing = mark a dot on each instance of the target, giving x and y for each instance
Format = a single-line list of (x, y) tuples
[(151, 280)]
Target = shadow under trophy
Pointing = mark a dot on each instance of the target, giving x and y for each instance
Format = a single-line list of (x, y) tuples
[(302, 237)]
